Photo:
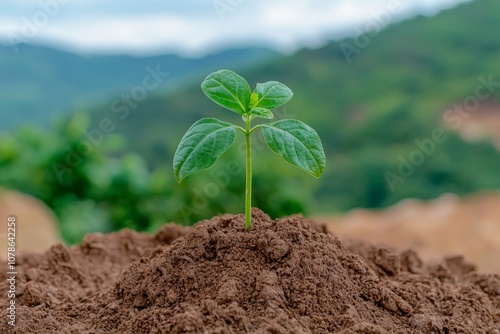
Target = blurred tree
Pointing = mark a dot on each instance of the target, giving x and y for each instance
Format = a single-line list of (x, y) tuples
[(93, 188)]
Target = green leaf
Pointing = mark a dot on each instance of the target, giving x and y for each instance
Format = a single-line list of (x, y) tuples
[(202, 145), (272, 94), (297, 143), (262, 113), (228, 90), (254, 99)]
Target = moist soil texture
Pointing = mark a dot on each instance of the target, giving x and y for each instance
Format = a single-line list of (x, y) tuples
[(283, 276)]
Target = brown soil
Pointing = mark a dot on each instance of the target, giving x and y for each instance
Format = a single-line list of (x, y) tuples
[(446, 226), (282, 276), (36, 226)]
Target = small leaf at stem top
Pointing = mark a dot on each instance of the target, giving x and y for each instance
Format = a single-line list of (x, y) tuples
[(297, 143), (202, 145), (272, 94), (262, 113), (228, 90)]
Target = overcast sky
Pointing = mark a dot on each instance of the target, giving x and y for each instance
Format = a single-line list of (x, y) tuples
[(195, 27)]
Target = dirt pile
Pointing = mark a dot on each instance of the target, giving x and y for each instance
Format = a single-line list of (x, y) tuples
[(282, 276), (36, 223), (441, 227)]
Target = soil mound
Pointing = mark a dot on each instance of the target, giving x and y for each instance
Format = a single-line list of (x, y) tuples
[(282, 276)]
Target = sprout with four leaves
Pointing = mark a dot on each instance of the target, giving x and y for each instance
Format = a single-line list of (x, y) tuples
[(209, 138)]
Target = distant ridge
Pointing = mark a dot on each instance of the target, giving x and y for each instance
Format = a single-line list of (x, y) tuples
[(376, 115), (38, 83)]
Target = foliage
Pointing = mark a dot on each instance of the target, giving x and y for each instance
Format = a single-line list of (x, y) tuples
[(39, 83), (368, 112), (105, 190), (209, 138)]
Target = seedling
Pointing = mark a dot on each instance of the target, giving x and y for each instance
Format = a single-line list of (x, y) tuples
[(209, 138)]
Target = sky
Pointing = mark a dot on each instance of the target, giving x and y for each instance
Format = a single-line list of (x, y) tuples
[(196, 27)]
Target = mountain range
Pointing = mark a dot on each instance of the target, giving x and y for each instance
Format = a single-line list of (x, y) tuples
[(38, 83), (378, 111), (373, 111)]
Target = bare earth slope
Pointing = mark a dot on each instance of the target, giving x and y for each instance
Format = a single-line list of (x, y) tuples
[(36, 227), (446, 226)]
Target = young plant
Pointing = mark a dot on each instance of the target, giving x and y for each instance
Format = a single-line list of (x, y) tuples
[(209, 138)]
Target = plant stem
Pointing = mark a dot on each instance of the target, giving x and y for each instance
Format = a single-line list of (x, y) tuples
[(248, 191)]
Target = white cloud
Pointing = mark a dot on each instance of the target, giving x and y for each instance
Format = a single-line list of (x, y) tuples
[(192, 27)]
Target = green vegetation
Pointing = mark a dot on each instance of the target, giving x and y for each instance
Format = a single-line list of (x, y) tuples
[(91, 186), (209, 138), (370, 114), (89, 190), (39, 83)]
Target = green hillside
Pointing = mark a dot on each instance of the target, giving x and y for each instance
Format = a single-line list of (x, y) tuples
[(368, 112), (382, 118), (38, 83)]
